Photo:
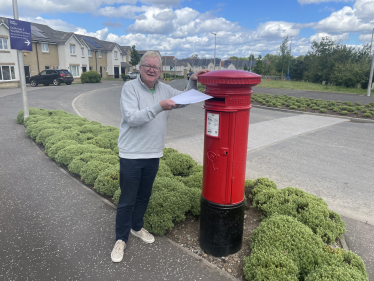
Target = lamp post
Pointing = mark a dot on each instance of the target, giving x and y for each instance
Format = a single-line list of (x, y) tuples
[(165, 67), (215, 43), (175, 66)]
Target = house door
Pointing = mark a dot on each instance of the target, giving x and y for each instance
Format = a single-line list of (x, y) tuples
[(84, 69), (101, 71), (27, 73), (116, 72)]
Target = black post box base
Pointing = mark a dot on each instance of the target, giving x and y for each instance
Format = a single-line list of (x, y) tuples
[(221, 228)]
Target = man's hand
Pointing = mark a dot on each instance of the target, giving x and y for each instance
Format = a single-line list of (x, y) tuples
[(168, 104), (194, 76)]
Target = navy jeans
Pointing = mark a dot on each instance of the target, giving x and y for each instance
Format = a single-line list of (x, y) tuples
[(136, 181)]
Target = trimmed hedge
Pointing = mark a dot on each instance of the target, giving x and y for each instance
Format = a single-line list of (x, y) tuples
[(92, 170), (306, 208), (108, 182), (90, 77)]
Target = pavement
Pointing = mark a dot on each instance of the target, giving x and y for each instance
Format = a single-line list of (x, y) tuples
[(52, 227)]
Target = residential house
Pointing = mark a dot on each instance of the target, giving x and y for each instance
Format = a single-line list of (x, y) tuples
[(199, 64), (9, 73), (125, 59), (238, 64)]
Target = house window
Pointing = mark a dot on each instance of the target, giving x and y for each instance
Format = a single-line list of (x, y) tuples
[(47, 67), (7, 72), (72, 49), (3, 44), (99, 54), (45, 48), (115, 55), (74, 69), (90, 67), (129, 58), (90, 53), (82, 52)]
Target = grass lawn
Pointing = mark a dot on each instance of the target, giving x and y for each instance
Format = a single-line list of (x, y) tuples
[(308, 86)]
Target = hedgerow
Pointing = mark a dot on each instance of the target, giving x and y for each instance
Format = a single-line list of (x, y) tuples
[(180, 164), (66, 155), (305, 207), (108, 182), (92, 170)]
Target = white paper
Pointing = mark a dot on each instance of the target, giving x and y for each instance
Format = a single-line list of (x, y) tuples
[(191, 96)]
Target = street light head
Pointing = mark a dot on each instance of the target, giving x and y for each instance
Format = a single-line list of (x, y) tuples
[(213, 33)]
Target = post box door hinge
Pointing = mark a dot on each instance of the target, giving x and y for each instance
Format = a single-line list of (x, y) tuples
[(223, 151)]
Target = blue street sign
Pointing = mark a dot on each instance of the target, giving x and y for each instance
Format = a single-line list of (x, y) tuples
[(20, 35)]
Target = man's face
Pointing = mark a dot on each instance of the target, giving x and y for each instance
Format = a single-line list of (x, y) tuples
[(148, 74)]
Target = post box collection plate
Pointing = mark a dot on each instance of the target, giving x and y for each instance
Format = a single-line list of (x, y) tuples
[(225, 155)]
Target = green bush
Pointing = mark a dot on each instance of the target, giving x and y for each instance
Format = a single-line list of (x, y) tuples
[(336, 109), (180, 164), (101, 142), (261, 185), (116, 196), (194, 181), (66, 155), (90, 77), (90, 129), (306, 208), (78, 162), (170, 200), (59, 136), (92, 169), (55, 149), (344, 112), (322, 110), (108, 181), (364, 110), (282, 249), (43, 135), (367, 115), (164, 170), (293, 107)]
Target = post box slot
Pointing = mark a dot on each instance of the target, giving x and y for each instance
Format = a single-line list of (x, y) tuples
[(218, 100)]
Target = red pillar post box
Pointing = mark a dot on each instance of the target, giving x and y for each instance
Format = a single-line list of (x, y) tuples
[(225, 155)]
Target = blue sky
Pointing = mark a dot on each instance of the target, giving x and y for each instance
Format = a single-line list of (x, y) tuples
[(184, 27)]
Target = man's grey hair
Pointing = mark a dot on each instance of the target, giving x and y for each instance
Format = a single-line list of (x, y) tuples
[(150, 54)]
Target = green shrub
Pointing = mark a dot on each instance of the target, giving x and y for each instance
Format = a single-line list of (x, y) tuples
[(59, 136), (116, 196), (43, 135), (170, 200), (358, 103), (323, 110), (164, 170), (108, 181), (101, 142), (306, 208), (55, 149), (293, 107), (194, 181), (180, 164), (66, 155), (90, 129), (90, 77), (344, 112), (261, 185), (92, 169), (78, 162), (368, 105), (364, 110), (367, 115), (336, 109), (282, 249), (39, 127), (33, 119)]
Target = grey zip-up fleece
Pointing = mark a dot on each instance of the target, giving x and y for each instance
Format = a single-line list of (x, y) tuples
[(143, 127)]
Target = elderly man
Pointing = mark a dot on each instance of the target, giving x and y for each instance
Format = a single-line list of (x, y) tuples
[(145, 106)]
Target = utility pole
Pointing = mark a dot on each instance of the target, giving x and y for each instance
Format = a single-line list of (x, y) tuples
[(165, 68), (21, 69), (372, 67), (175, 66), (290, 55), (215, 43)]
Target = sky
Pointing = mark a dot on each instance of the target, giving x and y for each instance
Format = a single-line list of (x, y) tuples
[(182, 28)]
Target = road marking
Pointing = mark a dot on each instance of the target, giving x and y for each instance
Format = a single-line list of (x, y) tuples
[(262, 134)]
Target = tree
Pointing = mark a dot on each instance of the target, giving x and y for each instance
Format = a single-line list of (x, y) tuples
[(135, 58), (259, 66), (245, 67), (233, 58), (195, 56), (284, 54)]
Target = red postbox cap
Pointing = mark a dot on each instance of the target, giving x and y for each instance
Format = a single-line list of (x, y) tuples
[(229, 77)]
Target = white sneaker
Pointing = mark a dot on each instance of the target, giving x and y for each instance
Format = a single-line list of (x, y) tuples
[(144, 235), (117, 253)]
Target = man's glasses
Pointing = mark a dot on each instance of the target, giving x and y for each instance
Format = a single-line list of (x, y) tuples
[(148, 67)]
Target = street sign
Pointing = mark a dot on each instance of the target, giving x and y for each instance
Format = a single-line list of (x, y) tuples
[(20, 35)]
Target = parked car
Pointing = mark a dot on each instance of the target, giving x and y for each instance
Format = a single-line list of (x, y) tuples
[(52, 76), (132, 75), (189, 75)]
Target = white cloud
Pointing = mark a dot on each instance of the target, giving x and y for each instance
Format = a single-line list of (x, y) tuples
[(305, 2), (125, 11), (100, 34), (277, 29), (56, 24), (338, 38), (364, 9)]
